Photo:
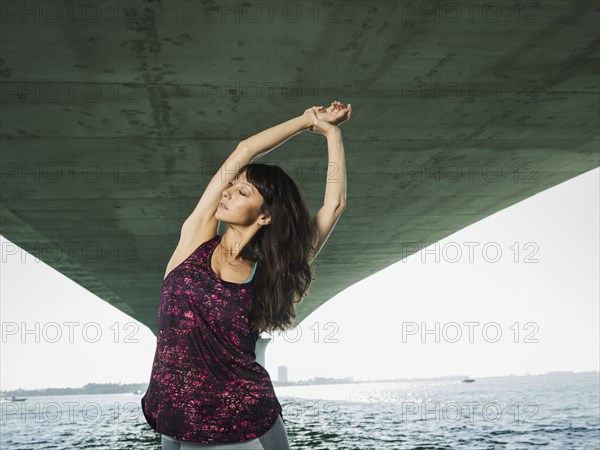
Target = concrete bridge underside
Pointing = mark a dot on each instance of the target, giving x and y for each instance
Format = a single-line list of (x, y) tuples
[(111, 128)]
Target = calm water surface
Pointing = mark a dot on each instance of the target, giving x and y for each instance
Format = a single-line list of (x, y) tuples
[(549, 411)]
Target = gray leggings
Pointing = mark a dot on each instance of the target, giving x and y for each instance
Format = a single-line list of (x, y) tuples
[(274, 439)]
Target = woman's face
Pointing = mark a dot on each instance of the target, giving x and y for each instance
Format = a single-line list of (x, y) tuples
[(242, 201)]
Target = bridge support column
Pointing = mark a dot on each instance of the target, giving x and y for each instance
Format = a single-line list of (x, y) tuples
[(261, 346)]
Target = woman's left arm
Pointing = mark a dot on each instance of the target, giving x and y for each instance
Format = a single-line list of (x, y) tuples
[(334, 202), (335, 184), (262, 143)]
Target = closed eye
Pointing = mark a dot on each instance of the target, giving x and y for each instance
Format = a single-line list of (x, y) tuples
[(239, 190)]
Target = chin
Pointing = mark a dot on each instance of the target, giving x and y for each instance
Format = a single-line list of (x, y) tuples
[(219, 215)]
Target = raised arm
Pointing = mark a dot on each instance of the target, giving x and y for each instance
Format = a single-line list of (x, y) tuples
[(262, 143), (202, 225), (247, 151), (334, 201), (335, 184)]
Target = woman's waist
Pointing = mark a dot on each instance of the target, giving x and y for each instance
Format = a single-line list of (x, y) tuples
[(226, 364), (204, 382)]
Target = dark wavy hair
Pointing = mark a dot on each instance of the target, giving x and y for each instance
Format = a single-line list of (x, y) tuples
[(282, 248)]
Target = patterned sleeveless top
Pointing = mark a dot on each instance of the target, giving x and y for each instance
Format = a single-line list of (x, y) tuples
[(206, 385)]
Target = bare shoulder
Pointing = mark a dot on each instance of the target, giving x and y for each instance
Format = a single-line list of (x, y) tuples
[(194, 232)]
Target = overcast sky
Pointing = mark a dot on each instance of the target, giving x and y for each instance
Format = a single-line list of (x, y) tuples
[(532, 308)]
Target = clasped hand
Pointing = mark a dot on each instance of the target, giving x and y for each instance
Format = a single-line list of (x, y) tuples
[(325, 120)]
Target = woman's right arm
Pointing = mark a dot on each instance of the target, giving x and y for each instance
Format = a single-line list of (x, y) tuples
[(262, 143), (251, 149), (204, 212), (247, 151), (202, 225)]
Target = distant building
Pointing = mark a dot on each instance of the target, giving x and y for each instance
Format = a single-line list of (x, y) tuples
[(282, 374)]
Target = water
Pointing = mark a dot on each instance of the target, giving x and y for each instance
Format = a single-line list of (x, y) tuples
[(549, 411)]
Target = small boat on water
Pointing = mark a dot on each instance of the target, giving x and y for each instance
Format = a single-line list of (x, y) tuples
[(13, 399), (468, 380)]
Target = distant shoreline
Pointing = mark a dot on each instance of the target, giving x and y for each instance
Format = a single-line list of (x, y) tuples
[(137, 388)]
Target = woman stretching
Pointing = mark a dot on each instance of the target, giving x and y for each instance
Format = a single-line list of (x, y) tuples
[(220, 292)]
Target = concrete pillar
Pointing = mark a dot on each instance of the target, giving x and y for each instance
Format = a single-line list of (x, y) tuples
[(261, 346)]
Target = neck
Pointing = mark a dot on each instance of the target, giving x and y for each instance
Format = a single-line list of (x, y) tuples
[(231, 246)]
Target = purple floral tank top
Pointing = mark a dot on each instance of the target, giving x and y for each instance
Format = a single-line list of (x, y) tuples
[(206, 385)]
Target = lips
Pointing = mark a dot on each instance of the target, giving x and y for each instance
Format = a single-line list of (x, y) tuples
[(222, 205)]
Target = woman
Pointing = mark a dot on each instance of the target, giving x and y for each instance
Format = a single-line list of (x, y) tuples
[(219, 293)]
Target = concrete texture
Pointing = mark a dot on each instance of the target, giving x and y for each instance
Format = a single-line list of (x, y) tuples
[(115, 115)]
